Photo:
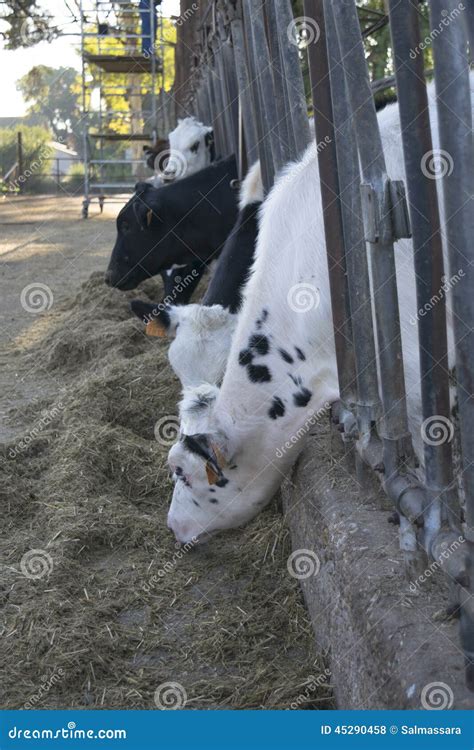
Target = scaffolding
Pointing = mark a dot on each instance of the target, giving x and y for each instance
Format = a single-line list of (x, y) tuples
[(120, 60)]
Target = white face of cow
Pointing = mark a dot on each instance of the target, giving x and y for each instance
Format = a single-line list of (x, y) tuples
[(191, 149), (212, 492)]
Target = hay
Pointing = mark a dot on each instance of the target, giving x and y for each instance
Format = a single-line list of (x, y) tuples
[(104, 628)]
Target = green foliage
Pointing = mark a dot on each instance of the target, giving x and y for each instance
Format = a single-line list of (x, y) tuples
[(25, 24), (35, 140), (53, 94)]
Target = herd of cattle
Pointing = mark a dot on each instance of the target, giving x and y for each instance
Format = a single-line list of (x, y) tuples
[(256, 357)]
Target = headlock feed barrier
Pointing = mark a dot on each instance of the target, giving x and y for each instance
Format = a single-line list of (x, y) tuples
[(248, 83)]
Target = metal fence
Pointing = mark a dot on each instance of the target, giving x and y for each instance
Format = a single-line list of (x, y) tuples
[(248, 83)]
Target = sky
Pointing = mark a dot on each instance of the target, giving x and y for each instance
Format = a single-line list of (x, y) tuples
[(60, 52)]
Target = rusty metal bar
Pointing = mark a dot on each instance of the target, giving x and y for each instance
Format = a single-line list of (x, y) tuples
[(330, 196)]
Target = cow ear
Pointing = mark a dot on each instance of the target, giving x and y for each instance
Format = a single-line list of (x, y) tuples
[(156, 317), (210, 143), (141, 187), (207, 448)]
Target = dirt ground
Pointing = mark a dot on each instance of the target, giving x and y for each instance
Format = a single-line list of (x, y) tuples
[(98, 606)]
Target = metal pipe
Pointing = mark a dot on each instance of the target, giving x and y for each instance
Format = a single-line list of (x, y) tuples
[(330, 197), (457, 152)]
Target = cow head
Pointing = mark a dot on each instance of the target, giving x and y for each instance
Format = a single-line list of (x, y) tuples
[(146, 242), (211, 492), (191, 148)]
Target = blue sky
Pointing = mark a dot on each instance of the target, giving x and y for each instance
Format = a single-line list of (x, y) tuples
[(60, 52)]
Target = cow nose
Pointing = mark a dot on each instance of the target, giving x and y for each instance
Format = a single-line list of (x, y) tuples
[(182, 531)]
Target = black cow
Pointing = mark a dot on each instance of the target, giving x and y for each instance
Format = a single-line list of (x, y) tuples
[(184, 223), (226, 285)]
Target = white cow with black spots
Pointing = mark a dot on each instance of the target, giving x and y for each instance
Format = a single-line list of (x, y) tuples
[(239, 441)]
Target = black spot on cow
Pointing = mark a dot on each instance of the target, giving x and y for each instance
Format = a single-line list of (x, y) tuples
[(259, 374), (245, 357), (302, 397), (261, 320), (222, 482), (211, 489), (277, 408), (196, 503), (300, 354), (233, 467), (213, 500), (259, 344), (297, 379), (285, 356)]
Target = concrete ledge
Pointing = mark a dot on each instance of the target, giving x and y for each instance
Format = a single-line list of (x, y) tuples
[(385, 642)]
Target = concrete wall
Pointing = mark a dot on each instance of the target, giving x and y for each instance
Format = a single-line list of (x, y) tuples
[(386, 643)]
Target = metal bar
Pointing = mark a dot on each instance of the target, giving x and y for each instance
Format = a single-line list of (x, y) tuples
[(451, 62), (245, 94), (266, 160), (258, 40), (330, 197), (293, 76), (284, 124), (367, 396), (427, 252), (398, 451)]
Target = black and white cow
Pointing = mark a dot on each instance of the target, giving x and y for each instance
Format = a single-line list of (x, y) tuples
[(189, 148), (202, 333), (184, 223), (238, 441)]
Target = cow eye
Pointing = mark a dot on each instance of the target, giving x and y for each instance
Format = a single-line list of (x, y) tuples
[(194, 147)]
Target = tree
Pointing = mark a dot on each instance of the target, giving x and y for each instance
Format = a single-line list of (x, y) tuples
[(53, 95), (26, 24)]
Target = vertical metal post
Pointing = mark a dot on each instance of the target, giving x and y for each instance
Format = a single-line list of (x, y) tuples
[(379, 234), (427, 251), (257, 39), (263, 145), (330, 196), (19, 151), (245, 94), (284, 124), (457, 155), (293, 76), (368, 402)]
